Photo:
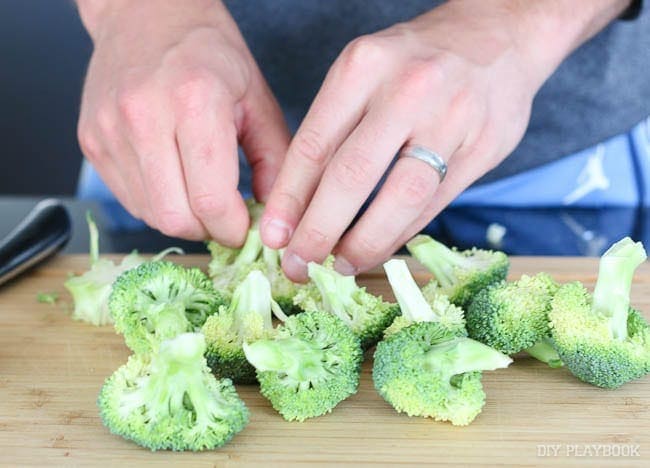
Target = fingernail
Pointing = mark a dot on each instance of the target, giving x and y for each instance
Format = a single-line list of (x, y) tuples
[(276, 232), (294, 266), (343, 266)]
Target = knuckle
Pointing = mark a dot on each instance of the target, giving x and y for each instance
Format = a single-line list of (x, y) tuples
[(352, 171), (412, 190), (363, 52), (106, 121), (174, 224), (421, 77), (309, 146), (368, 248), (208, 205), (133, 105), (286, 205), (192, 92), (88, 142), (466, 101), (316, 239)]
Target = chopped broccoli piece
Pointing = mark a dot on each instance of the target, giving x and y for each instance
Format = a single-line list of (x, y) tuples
[(600, 338), (160, 300), (415, 307), (171, 401), (513, 316), (90, 291), (47, 297), (459, 275), (426, 370), (230, 266), (247, 319), (309, 366), (367, 315)]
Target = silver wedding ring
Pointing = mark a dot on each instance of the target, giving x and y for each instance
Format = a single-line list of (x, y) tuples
[(432, 158)]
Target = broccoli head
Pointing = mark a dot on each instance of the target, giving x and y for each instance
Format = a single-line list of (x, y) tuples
[(171, 401), (600, 338), (248, 318), (513, 316), (415, 307), (426, 370), (367, 315), (229, 266), (160, 300), (90, 291), (459, 275), (309, 366)]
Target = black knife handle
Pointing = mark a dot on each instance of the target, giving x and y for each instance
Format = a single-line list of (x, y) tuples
[(45, 230)]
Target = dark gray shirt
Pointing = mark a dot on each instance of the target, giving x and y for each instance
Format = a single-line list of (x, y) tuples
[(601, 90)]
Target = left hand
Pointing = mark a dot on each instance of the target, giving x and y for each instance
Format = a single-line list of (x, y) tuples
[(458, 80)]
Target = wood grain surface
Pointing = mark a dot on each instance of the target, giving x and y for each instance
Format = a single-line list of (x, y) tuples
[(51, 369)]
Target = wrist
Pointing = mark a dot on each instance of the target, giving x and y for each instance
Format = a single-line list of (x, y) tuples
[(548, 31), (93, 12), (96, 14)]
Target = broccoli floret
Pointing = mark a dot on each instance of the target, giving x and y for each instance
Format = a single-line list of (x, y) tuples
[(367, 315), (90, 291), (247, 319), (160, 300), (600, 338), (426, 370), (513, 316), (415, 307), (459, 275), (309, 366), (171, 401), (230, 266)]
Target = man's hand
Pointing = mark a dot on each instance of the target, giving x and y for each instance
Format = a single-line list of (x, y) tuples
[(171, 88), (458, 80)]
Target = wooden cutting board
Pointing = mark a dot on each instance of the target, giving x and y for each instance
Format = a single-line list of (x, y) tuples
[(51, 369)]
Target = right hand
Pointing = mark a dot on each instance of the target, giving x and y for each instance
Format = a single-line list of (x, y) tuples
[(171, 89)]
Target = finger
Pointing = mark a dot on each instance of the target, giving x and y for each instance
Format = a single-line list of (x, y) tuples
[(409, 189), (336, 110), (463, 170), (207, 141), (347, 182), (107, 170), (151, 133), (112, 178), (124, 158), (264, 137)]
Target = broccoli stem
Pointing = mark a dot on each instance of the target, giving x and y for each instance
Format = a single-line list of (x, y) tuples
[(271, 257), (169, 320), (94, 238), (544, 351), (251, 249), (461, 355), (177, 372), (412, 303), (612, 292), (335, 289), (438, 259), (300, 360), (167, 251), (253, 296)]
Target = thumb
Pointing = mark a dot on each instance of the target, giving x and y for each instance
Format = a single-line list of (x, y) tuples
[(264, 136)]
